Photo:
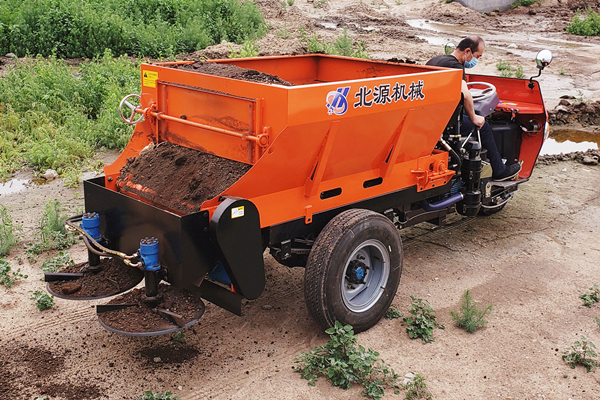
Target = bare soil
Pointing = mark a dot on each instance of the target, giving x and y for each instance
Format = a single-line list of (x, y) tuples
[(179, 178), (532, 260), (114, 277)]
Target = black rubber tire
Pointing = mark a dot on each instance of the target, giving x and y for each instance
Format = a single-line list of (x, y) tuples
[(327, 261)]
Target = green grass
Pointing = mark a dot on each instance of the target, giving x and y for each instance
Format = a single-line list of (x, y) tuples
[(154, 28), (7, 231), (55, 116), (469, 317), (587, 25)]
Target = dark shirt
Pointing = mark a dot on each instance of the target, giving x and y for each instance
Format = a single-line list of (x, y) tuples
[(448, 61)]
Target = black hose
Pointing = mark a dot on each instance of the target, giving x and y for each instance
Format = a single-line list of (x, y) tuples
[(93, 250)]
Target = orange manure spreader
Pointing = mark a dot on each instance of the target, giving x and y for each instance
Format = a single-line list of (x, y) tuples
[(318, 158)]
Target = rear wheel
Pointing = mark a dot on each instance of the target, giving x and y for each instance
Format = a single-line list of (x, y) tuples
[(353, 270)]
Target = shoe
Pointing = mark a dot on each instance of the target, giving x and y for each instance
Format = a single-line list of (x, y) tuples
[(509, 172)]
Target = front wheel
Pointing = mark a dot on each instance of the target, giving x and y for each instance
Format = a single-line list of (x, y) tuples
[(353, 270)]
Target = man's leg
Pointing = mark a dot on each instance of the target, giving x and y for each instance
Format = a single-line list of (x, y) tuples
[(487, 142)]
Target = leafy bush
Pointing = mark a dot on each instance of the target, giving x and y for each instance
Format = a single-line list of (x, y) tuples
[(416, 389), (581, 353), (154, 28), (7, 229), (469, 317), (344, 364), (588, 25), (249, 49), (53, 115), (8, 278), (392, 313), (42, 300), (422, 321), (56, 262), (341, 45), (591, 297)]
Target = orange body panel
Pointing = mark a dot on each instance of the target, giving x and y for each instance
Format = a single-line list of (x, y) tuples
[(345, 124)]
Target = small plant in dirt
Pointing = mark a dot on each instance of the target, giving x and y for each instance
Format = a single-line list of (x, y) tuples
[(284, 32), (519, 73), (149, 395), (56, 262), (469, 317), (507, 70), (416, 389), (392, 313), (178, 337), (525, 3), (591, 297), (588, 25), (290, 2), (42, 300), (7, 231), (562, 71), (249, 49), (345, 363), (597, 321), (422, 321), (52, 234), (341, 45), (8, 278), (581, 353)]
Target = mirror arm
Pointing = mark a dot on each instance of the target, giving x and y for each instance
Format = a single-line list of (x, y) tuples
[(531, 84)]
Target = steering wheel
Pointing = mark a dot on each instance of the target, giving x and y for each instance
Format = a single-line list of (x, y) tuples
[(132, 109), (479, 94)]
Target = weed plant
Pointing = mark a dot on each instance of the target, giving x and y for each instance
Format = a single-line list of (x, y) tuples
[(178, 337), (149, 395), (54, 116), (7, 231), (422, 321), (417, 389), (597, 321), (469, 317), (392, 313), (590, 298), (507, 70), (249, 49), (56, 262), (344, 363), (581, 353), (42, 300), (341, 45), (588, 25), (52, 234), (525, 3), (153, 28), (8, 278)]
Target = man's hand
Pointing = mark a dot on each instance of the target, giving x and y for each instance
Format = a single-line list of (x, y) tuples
[(478, 120)]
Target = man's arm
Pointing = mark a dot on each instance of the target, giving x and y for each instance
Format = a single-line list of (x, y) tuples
[(477, 120)]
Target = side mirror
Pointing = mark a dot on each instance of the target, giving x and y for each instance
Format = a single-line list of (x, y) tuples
[(449, 48), (543, 58)]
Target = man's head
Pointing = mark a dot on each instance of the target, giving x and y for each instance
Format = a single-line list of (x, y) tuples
[(469, 50)]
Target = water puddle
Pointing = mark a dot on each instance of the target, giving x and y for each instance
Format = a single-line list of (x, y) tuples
[(568, 141), (17, 185)]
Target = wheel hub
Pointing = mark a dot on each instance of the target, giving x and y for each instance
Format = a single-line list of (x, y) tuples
[(356, 272)]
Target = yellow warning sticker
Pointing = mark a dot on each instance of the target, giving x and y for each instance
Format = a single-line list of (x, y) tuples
[(149, 78), (237, 212)]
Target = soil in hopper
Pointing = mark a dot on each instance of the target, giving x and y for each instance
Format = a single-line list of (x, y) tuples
[(178, 178), (233, 72)]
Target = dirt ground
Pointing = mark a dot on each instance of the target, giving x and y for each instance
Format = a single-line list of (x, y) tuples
[(531, 261)]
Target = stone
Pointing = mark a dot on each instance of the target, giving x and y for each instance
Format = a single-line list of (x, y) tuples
[(11, 55), (50, 175), (587, 160)]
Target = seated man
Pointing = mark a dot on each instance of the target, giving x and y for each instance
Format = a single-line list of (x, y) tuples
[(465, 55)]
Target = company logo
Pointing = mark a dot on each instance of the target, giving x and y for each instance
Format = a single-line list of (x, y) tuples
[(336, 101)]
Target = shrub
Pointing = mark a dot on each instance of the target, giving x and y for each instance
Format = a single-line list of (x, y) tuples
[(8, 278), (42, 300), (416, 389), (469, 317), (154, 28), (588, 25), (422, 321), (581, 353), (56, 262), (344, 363), (7, 229)]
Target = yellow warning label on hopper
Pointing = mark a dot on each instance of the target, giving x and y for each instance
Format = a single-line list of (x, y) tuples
[(149, 78)]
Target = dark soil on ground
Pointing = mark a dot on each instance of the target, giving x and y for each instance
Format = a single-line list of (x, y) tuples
[(114, 277), (179, 178), (233, 72), (144, 316), (569, 112)]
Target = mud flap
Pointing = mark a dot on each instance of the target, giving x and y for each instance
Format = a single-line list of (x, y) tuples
[(235, 227)]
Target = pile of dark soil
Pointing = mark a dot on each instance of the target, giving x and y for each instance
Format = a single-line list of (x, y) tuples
[(571, 113), (178, 178), (589, 157), (144, 316), (233, 72), (114, 277)]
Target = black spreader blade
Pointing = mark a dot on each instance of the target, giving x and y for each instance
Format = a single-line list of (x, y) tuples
[(100, 308), (61, 276)]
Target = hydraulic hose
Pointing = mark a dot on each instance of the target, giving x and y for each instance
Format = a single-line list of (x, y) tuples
[(440, 205)]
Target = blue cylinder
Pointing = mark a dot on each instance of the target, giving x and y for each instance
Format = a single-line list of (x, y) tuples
[(149, 253), (91, 224)]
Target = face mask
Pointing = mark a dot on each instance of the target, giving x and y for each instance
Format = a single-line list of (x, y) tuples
[(472, 63)]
